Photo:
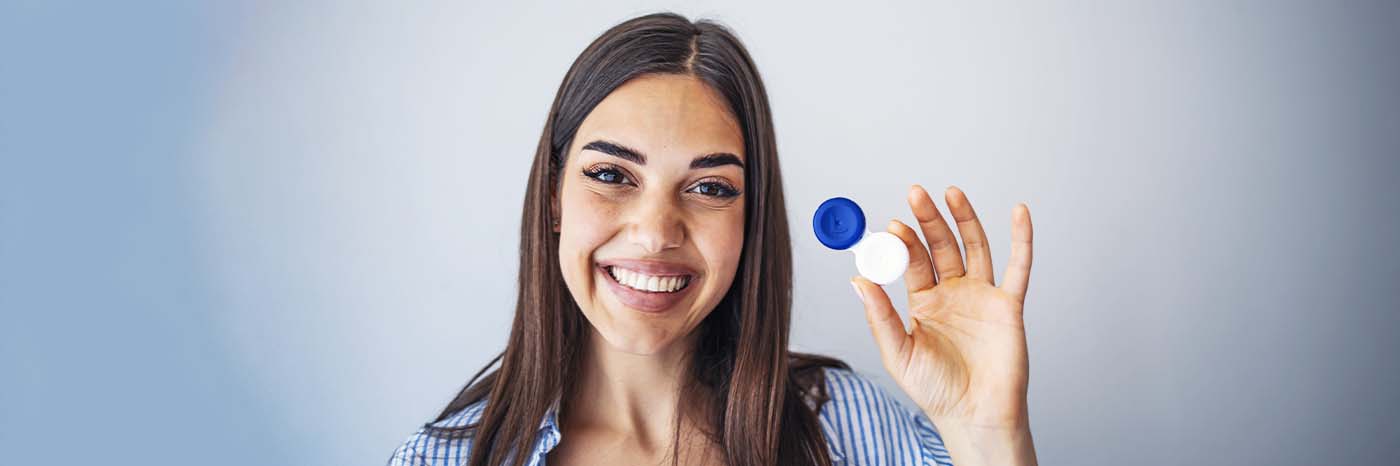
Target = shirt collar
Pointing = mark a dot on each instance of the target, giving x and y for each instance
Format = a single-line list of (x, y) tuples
[(549, 429), (551, 417)]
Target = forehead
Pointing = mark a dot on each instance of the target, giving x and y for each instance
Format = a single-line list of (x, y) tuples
[(665, 115)]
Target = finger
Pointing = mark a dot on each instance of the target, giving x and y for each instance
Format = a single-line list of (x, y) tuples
[(885, 323), (947, 260), (1018, 267), (919, 275), (979, 256)]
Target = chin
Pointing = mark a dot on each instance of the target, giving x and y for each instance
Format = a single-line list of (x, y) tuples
[(637, 338)]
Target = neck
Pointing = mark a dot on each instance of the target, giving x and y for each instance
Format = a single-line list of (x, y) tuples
[(630, 394)]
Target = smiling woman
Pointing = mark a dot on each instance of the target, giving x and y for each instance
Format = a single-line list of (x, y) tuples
[(652, 315), (636, 220)]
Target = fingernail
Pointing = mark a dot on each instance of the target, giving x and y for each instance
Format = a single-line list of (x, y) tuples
[(859, 293)]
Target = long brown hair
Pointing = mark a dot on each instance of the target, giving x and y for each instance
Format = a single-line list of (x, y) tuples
[(761, 399)]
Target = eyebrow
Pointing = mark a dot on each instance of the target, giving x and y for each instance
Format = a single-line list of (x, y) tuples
[(716, 159)]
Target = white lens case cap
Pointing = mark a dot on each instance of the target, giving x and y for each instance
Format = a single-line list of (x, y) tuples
[(881, 257)]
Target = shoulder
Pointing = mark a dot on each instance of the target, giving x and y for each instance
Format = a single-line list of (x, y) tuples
[(433, 447), (864, 424)]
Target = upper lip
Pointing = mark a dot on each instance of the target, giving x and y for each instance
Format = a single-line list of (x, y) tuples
[(649, 266)]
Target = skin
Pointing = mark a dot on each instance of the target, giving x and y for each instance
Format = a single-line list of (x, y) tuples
[(962, 359), (635, 363)]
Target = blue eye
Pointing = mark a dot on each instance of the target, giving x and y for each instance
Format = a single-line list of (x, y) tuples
[(607, 175), (714, 189)]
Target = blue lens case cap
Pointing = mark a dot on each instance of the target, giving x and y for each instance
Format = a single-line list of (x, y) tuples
[(839, 223)]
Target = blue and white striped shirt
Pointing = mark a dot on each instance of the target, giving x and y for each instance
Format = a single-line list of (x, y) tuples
[(862, 425)]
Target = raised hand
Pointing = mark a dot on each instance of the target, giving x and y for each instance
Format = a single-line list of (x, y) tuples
[(963, 358)]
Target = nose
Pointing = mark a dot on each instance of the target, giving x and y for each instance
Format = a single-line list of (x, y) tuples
[(656, 224)]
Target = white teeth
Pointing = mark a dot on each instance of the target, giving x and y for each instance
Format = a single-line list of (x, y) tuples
[(644, 282)]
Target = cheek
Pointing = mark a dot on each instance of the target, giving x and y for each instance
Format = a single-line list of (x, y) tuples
[(722, 242), (585, 224), (587, 216)]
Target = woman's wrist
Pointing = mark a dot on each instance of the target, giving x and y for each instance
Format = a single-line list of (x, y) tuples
[(971, 444)]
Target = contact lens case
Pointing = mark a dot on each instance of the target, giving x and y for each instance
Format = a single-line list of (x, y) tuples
[(881, 257)]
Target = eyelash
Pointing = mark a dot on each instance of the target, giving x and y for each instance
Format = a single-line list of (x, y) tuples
[(725, 190), (598, 172)]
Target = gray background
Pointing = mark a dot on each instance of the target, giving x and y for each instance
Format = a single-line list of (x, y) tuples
[(283, 232)]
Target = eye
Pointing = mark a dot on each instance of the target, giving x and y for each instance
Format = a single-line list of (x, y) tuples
[(714, 189), (606, 174)]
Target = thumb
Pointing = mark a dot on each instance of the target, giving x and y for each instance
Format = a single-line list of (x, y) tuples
[(885, 323)]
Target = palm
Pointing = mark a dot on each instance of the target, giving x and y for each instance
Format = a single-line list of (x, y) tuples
[(967, 357), (964, 355)]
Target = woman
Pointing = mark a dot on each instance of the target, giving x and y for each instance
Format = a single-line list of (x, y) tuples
[(651, 323)]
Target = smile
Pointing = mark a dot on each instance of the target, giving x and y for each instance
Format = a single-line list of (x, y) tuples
[(646, 282), (653, 287)]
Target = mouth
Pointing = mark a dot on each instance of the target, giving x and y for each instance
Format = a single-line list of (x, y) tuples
[(645, 282), (647, 286)]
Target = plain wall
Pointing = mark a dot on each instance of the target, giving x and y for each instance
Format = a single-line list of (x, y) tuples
[(285, 232)]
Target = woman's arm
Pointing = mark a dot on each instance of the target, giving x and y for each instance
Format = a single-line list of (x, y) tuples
[(974, 446), (964, 358)]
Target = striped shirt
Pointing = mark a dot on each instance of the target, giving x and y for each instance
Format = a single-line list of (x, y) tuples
[(862, 425)]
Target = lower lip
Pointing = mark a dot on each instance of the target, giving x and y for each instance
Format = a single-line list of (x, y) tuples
[(645, 301)]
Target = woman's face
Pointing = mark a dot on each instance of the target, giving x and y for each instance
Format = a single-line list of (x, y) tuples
[(651, 211)]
